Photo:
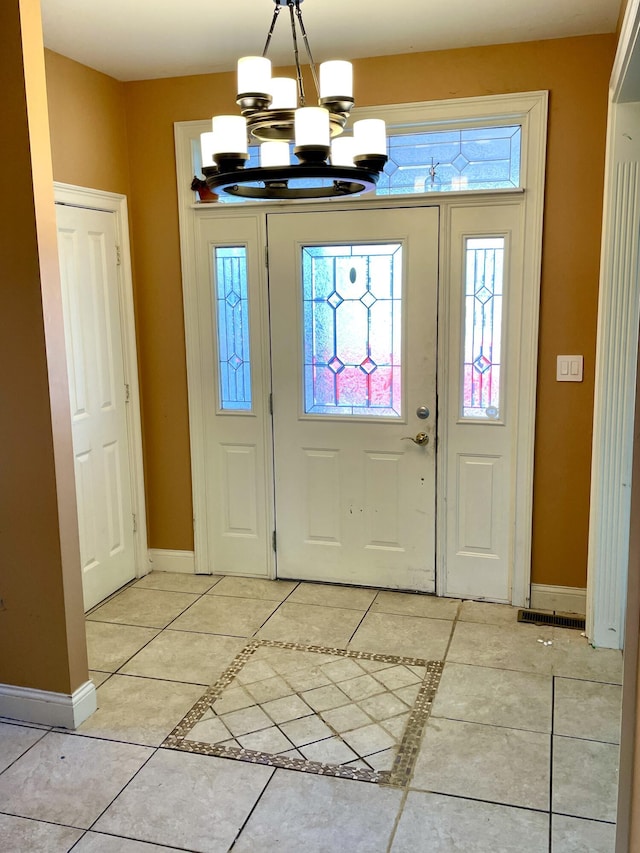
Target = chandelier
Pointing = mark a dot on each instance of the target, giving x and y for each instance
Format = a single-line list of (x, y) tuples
[(274, 113)]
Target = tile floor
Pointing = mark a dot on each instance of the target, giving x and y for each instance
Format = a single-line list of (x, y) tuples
[(519, 752)]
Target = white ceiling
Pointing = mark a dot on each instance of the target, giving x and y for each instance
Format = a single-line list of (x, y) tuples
[(144, 39)]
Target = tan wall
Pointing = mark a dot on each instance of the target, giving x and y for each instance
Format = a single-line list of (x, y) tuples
[(576, 71), (88, 126), (41, 621)]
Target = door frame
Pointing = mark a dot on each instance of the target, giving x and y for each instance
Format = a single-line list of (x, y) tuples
[(530, 110), (115, 203)]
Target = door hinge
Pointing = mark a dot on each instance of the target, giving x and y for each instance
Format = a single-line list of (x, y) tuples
[(118, 256), (273, 541), (135, 522), (266, 257), (270, 404), (127, 392)]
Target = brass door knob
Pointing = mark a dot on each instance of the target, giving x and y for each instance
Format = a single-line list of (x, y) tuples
[(420, 439)]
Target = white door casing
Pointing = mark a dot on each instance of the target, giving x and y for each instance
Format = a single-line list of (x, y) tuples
[(103, 393), (354, 498)]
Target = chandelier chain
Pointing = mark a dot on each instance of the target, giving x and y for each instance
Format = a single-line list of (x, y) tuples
[(308, 47), (271, 29), (296, 53)]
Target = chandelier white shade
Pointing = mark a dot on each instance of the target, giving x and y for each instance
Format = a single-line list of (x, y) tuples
[(274, 154), (254, 76), (274, 113), (284, 93), (336, 79)]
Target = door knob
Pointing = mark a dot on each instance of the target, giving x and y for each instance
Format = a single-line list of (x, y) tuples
[(421, 439), (422, 412)]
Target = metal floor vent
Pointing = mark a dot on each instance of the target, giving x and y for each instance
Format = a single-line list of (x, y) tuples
[(534, 617)]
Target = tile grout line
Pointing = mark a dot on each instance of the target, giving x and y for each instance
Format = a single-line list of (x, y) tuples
[(253, 808), (48, 823), (86, 832), (454, 624), (492, 725), (151, 627), (155, 627), (407, 786), (154, 751), (589, 819), (274, 611), (444, 660), (45, 732), (473, 799), (364, 615)]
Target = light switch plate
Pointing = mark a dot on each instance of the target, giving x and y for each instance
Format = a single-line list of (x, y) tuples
[(569, 368)]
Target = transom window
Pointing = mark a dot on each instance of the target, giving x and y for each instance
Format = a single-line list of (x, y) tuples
[(476, 158)]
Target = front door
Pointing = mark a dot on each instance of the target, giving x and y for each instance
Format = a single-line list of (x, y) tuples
[(98, 396), (353, 307)]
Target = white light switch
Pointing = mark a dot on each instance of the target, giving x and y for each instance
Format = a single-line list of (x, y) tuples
[(569, 368)]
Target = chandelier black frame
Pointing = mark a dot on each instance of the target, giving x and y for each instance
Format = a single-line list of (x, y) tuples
[(356, 174)]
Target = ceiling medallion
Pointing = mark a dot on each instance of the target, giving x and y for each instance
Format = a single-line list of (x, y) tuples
[(274, 114)]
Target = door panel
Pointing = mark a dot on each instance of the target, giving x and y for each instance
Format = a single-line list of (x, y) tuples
[(355, 500), (233, 336), (485, 273), (88, 266)]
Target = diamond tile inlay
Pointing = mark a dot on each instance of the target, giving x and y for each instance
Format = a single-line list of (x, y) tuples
[(317, 710)]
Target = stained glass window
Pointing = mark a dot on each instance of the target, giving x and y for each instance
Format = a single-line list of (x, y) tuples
[(352, 329), (484, 266), (477, 158), (232, 310)]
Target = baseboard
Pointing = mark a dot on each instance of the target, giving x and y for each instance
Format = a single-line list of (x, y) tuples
[(162, 560), (47, 708), (568, 599)]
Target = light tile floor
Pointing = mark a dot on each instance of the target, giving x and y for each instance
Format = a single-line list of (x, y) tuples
[(520, 752)]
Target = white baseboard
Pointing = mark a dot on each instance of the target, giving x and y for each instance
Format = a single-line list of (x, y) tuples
[(182, 562), (47, 708), (568, 599)]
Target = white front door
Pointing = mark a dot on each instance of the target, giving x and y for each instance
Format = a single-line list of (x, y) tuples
[(353, 306), (88, 267)]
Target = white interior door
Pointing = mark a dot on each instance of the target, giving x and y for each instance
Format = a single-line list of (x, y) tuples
[(88, 266), (353, 305)]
